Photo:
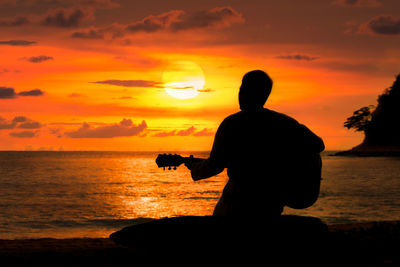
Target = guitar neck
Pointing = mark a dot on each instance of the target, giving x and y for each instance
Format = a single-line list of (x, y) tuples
[(173, 161), (191, 159)]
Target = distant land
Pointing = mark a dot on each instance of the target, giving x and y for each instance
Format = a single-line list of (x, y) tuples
[(380, 124)]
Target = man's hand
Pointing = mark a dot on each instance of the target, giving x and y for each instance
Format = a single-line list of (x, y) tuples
[(189, 162)]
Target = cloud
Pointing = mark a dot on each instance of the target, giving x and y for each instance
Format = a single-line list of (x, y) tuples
[(381, 25), (20, 119), (9, 93), (165, 134), (174, 20), (297, 57), (90, 34), (30, 125), (113, 31), (357, 3), (177, 20), (219, 17), (4, 124), (154, 23), (124, 128), (18, 21), (186, 132), (24, 134), (17, 42), (34, 92), (191, 131), (66, 18), (204, 132), (20, 122), (39, 59), (130, 83)]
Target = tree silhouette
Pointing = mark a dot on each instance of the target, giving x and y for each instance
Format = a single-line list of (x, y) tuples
[(382, 124), (360, 119)]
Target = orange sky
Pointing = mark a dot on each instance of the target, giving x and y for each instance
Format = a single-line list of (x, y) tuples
[(90, 75)]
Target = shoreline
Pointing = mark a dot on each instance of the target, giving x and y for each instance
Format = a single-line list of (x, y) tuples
[(376, 242)]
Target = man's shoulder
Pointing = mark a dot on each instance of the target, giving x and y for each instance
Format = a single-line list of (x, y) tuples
[(281, 116), (265, 115), (265, 112)]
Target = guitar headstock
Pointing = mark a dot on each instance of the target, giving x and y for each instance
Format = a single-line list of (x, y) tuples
[(169, 160)]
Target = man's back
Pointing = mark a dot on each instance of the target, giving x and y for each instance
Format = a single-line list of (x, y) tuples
[(258, 148), (261, 142)]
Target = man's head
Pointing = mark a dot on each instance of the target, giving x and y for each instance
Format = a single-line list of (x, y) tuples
[(255, 89)]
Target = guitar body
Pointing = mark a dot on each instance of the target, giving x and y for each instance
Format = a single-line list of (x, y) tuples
[(303, 181)]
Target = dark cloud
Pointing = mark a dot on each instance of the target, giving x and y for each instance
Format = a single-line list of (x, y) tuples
[(18, 21), (20, 122), (357, 3), (17, 43), (7, 93), (177, 20), (112, 31), (23, 134), (5, 125), (130, 83), (155, 23), (39, 59), (382, 25), (216, 17), (20, 119), (34, 92), (124, 128), (30, 125), (105, 4), (297, 57), (90, 34), (174, 20), (66, 18)]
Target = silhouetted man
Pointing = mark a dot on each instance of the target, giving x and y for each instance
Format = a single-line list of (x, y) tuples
[(260, 149)]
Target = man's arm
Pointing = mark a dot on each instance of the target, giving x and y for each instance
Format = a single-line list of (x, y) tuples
[(216, 163)]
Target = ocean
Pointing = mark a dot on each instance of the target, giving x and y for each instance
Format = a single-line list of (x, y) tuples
[(68, 194)]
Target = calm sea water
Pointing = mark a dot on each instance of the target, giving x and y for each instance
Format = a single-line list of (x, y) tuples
[(91, 194)]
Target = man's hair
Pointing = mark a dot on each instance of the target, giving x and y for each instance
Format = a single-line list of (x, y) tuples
[(255, 89)]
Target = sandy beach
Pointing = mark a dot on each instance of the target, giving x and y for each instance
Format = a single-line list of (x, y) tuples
[(361, 244)]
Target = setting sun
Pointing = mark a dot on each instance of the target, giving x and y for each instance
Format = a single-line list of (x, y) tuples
[(183, 79)]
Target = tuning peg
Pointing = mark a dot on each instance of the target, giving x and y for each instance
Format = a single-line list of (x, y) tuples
[(174, 167), (169, 168), (163, 168)]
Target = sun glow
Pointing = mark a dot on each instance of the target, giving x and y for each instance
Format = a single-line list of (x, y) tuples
[(183, 79)]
